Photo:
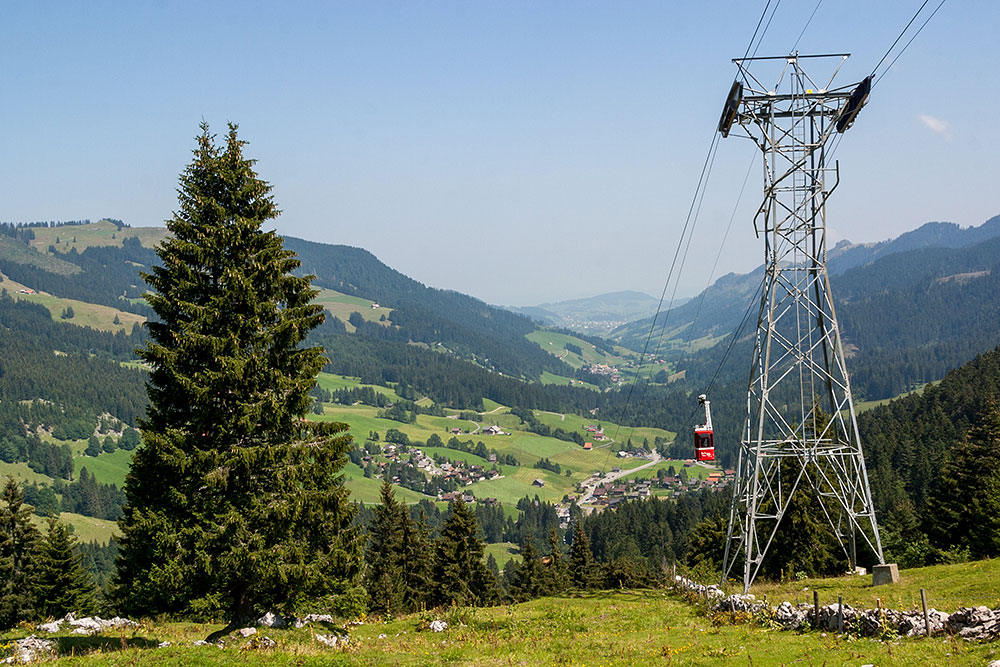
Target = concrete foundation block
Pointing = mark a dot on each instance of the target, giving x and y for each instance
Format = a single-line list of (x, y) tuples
[(885, 574)]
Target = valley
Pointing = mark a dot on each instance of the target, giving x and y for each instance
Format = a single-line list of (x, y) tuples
[(533, 428)]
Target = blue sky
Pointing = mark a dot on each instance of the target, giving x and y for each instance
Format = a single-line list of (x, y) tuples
[(521, 152)]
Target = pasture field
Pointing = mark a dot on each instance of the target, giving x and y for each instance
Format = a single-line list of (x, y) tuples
[(19, 253), (86, 528), (577, 423), (100, 233), (607, 628), (693, 471), (367, 490), (342, 305), (503, 553), (21, 473), (106, 468), (562, 380), (332, 382), (948, 587), (85, 314), (555, 344)]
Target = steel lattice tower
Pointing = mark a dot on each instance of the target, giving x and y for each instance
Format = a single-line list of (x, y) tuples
[(801, 433)]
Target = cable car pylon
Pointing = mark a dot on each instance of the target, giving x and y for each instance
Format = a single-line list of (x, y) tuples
[(801, 431)]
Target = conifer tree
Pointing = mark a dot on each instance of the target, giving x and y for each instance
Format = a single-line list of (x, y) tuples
[(557, 577), (418, 559), (967, 500), (234, 502), (582, 570), (385, 577), (528, 580), (18, 557), (460, 573), (63, 585)]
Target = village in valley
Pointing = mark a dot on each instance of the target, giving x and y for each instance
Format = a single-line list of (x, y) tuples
[(622, 472)]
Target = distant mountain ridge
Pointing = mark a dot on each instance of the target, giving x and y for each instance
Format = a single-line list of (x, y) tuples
[(719, 308), (846, 255)]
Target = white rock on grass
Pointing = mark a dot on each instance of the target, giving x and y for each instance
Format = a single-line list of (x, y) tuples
[(271, 620), (51, 628), (438, 626), (246, 632)]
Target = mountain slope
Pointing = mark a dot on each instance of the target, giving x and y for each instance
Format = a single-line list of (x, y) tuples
[(463, 325), (719, 309)]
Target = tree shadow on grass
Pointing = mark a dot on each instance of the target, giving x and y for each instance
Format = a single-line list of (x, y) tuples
[(83, 644)]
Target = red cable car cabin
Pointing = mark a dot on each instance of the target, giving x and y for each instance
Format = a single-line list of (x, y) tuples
[(704, 438), (704, 444)]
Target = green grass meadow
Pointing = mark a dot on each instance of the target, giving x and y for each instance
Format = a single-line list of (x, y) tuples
[(606, 629)]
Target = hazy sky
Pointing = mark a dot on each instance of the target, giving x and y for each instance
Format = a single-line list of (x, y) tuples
[(520, 152)]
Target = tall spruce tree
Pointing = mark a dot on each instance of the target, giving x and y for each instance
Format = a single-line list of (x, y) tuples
[(557, 576), (234, 502), (385, 558), (19, 541), (583, 572), (528, 578), (63, 585), (418, 558), (460, 573)]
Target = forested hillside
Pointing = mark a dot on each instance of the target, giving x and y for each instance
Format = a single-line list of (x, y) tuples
[(933, 460), (492, 337)]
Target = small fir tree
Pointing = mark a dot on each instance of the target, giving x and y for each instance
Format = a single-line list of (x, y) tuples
[(19, 542), (557, 577), (460, 573), (582, 571), (234, 502), (63, 585), (385, 558), (93, 446), (418, 558), (528, 581)]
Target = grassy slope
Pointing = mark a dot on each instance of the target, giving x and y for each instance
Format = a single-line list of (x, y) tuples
[(562, 380), (342, 305), (86, 528), (106, 468), (22, 254), (948, 587), (85, 314), (555, 344), (95, 234), (606, 628), (332, 382)]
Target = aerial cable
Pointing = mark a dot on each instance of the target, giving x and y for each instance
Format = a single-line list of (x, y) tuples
[(757, 29), (903, 32), (766, 26), (836, 145), (709, 160), (732, 343), (703, 177), (906, 46), (808, 21), (722, 243)]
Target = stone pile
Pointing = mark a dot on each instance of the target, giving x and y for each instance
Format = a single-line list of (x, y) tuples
[(30, 649), (793, 617), (88, 625), (974, 624)]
